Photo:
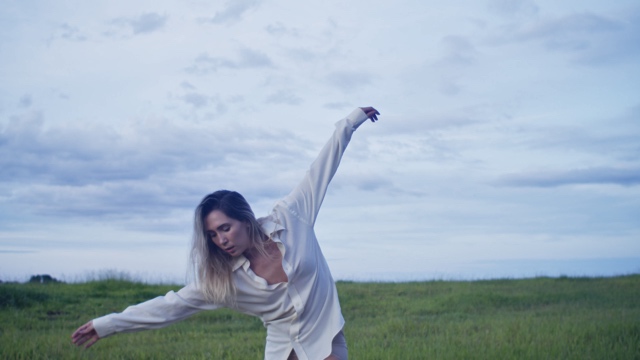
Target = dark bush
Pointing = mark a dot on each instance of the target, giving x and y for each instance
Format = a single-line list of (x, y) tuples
[(43, 279)]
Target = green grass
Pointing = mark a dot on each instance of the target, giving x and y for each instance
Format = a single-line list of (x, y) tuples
[(541, 318)]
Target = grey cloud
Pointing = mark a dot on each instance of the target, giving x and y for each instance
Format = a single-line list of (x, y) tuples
[(116, 199), (373, 184), (337, 105), (203, 101), (196, 100), (458, 51), (349, 81), (247, 58), (67, 32), (596, 175), (75, 156), (187, 85), (136, 169), (426, 124), (568, 26), (278, 29), (301, 54), (590, 39), (513, 7), (145, 23), (449, 87), (233, 11), (26, 101), (148, 23), (617, 136), (368, 181), (71, 33), (284, 97), (614, 46), (622, 146)]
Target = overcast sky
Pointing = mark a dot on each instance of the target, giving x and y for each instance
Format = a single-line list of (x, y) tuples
[(508, 145)]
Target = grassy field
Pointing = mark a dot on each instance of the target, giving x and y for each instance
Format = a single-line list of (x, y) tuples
[(541, 318)]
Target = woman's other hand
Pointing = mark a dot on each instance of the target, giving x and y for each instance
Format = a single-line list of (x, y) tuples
[(371, 113), (86, 334)]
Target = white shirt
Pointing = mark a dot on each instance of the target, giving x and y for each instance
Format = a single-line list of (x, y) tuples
[(302, 314)]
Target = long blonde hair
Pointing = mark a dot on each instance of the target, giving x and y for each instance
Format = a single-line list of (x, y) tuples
[(210, 265)]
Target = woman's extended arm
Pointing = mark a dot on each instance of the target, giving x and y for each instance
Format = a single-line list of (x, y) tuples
[(307, 197), (152, 314)]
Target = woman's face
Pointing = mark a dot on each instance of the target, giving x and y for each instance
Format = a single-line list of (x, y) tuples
[(230, 235)]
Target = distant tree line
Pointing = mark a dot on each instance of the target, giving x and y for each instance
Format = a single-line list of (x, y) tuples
[(43, 279)]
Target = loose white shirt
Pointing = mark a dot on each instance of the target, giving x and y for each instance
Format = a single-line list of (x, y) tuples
[(302, 314)]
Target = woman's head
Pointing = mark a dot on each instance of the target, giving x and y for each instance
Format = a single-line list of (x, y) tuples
[(212, 259), (229, 202), (225, 216)]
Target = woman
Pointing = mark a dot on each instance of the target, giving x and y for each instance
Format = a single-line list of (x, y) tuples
[(270, 267)]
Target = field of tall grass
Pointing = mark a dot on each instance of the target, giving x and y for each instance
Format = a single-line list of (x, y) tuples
[(540, 318)]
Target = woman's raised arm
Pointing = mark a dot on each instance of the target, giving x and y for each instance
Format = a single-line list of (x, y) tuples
[(305, 200)]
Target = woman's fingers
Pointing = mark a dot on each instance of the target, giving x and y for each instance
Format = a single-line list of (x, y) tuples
[(371, 113), (86, 339), (93, 341), (86, 334)]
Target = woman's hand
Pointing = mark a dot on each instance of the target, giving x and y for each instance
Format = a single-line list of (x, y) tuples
[(371, 113), (85, 334)]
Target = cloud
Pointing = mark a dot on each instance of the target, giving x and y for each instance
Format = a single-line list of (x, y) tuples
[(570, 26), (76, 156), (67, 32), (589, 38), (147, 23), (142, 167), (512, 8), (596, 175), (203, 101), (349, 81), (616, 136), (458, 51), (143, 24), (337, 105), (26, 101), (373, 184), (196, 100), (246, 59), (187, 85), (278, 29), (284, 97), (71, 33), (449, 87), (303, 55), (233, 11)]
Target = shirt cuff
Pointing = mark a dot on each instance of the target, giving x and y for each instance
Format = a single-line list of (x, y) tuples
[(103, 327), (356, 118)]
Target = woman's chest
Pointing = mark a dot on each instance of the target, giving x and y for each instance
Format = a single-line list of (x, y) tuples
[(270, 268)]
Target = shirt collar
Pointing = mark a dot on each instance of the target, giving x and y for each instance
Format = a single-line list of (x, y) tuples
[(269, 226)]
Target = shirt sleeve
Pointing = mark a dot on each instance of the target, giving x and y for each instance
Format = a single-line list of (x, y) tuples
[(155, 313), (305, 200)]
